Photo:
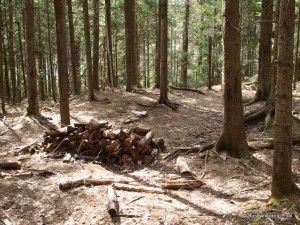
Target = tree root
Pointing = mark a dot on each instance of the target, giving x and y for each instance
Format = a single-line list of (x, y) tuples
[(265, 112)]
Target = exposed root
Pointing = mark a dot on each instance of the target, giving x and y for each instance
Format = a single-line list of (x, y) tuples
[(265, 112), (255, 99)]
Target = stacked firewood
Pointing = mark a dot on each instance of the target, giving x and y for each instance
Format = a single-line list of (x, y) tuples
[(102, 141)]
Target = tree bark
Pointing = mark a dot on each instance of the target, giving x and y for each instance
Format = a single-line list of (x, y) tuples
[(185, 46), (73, 49), (130, 36), (1, 65), (96, 46), (297, 50), (53, 80), (264, 66), (11, 51), (62, 60), (111, 77), (88, 53), (22, 59), (41, 74), (209, 63), (163, 97), (233, 137), (33, 105), (157, 48), (282, 183)]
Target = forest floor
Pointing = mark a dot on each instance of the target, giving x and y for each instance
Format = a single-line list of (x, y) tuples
[(234, 191)]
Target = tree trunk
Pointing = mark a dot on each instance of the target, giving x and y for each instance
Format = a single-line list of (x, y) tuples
[(157, 48), (185, 46), (209, 63), (53, 80), (233, 137), (282, 183), (62, 60), (96, 45), (163, 97), (88, 54), (11, 51), (297, 50), (33, 106), (130, 35), (264, 66), (73, 49), (111, 77), (1, 65), (22, 59), (41, 74)]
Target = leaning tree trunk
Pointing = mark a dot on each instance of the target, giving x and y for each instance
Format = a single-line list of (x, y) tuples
[(233, 137), (33, 105), (62, 60), (282, 183)]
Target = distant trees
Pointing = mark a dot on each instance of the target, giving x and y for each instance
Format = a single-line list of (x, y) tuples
[(233, 137)]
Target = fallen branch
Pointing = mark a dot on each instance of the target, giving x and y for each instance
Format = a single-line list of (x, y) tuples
[(187, 89), (182, 184), (10, 165), (87, 182), (126, 187)]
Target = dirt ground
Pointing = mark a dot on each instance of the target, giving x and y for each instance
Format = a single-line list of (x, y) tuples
[(234, 191)]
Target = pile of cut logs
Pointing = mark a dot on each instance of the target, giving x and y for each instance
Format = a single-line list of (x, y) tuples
[(99, 140)]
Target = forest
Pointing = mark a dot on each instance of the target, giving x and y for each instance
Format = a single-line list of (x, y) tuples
[(149, 112)]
